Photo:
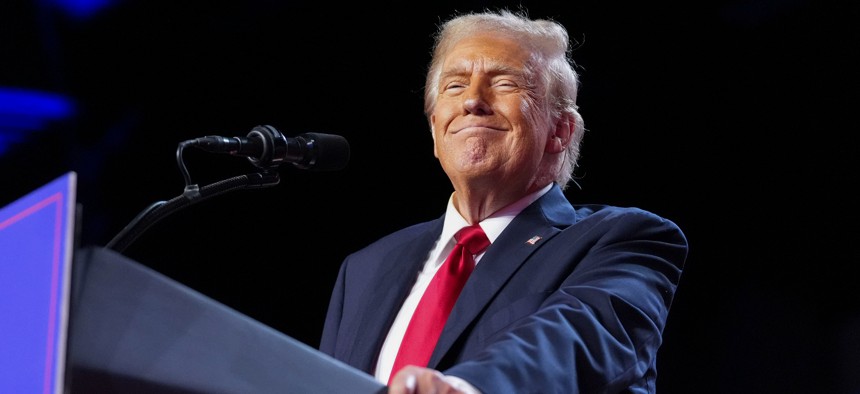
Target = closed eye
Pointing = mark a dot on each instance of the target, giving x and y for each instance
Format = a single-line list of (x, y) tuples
[(454, 86)]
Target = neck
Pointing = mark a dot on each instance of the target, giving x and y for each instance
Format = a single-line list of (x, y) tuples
[(476, 206)]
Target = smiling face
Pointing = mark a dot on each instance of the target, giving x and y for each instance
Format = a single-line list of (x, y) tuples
[(489, 132)]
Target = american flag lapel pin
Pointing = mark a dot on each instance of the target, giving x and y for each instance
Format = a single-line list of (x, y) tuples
[(533, 240)]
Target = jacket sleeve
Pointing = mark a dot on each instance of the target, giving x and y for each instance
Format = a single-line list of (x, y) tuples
[(600, 330)]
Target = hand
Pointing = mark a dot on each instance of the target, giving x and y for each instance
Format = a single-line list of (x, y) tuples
[(418, 380)]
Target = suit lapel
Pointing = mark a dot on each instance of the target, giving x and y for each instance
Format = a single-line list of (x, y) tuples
[(386, 295), (536, 224)]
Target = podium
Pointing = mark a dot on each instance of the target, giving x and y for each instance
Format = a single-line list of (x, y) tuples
[(91, 320), (134, 330)]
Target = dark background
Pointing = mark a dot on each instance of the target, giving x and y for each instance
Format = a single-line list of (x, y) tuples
[(735, 119)]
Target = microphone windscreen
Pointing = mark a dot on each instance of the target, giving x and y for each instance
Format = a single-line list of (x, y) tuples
[(331, 151)]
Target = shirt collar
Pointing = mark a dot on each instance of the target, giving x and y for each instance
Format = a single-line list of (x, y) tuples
[(495, 223)]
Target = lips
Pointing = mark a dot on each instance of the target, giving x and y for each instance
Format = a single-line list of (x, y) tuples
[(476, 129)]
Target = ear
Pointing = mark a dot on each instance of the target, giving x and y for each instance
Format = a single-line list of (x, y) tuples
[(558, 140)]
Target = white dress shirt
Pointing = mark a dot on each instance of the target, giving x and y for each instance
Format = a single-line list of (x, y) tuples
[(492, 226)]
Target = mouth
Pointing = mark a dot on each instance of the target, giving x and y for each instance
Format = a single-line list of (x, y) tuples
[(476, 129)]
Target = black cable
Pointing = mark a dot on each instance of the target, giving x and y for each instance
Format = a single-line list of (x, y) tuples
[(191, 195), (181, 163)]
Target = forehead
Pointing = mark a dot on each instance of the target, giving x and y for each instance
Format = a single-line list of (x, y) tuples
[(486, 51)]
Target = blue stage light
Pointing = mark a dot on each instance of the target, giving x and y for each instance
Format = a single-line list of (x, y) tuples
[(82, 9), (23, 112)]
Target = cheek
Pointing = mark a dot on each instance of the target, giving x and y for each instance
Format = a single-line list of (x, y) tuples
[(435, 147), (442, 114), (439, 121), (523, 149)]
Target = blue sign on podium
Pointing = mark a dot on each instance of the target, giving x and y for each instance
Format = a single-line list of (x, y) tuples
[(36, 245)]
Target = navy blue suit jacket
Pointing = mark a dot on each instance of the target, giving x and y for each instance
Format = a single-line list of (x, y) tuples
[(580, 310)]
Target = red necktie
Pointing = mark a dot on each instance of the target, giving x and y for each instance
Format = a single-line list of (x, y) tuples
[(438, 300)]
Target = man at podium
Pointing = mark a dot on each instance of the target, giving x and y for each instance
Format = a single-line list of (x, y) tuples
[(559, 298)]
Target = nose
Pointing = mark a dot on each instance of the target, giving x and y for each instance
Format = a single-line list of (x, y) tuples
[(475, 102)]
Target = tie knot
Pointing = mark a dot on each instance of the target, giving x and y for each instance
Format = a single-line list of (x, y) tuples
[(472, 238)]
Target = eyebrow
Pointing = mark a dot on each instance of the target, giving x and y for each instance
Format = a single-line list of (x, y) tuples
[(491, 68)]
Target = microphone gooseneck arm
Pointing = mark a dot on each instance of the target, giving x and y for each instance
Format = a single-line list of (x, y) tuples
[(159, 210), (265, 147), (192, 195)]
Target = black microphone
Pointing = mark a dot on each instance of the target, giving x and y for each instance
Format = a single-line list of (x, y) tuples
[(266, 147)]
